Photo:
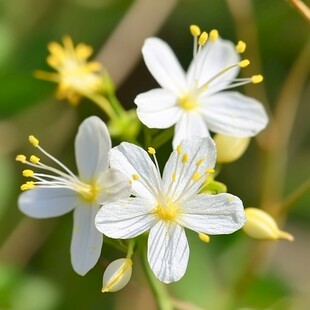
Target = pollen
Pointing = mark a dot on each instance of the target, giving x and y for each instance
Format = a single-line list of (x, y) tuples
[(28, 173), (188, 103), (21, 158), (199, 162), (136, 177), (185, 158), (244, 63), (240, 47), (196, 176), (33, 140), (151, 150), (34, 159), (174, 177), (214, 34), (27, 185), (195, 30), (204, 237), (203, 39), (210, 170), (167, 212), (257, 78), (179, 149)]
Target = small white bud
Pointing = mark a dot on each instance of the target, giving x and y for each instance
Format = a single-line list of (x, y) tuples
[(117, 275)]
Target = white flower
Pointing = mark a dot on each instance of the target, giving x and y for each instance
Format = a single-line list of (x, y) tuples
[(165, 206), (61, 191), (194, 101)]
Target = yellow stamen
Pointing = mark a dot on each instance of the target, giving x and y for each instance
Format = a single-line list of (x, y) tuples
[(34, 159), (184, 158), (199, 162), (203, 39), (33, 140), (240, 47), (28, 185), (174, 177), (151, 150), (214, 34), (195, 30), (179, 149), (167, 213), (136, 177), (210, 170), (196, 176), (28, 173), (21, 158), (187, 103), (257, 78), (204, 237), (243, 63)]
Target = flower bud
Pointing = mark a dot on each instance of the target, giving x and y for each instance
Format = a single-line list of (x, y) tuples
[(230, 148), (260, 225), (117, 275)]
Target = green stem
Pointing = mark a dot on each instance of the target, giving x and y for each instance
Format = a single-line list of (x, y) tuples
[(291, 200), (159, 289), (131, 245), (103, 104)]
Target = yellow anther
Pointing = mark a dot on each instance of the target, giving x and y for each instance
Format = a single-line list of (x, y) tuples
[(130, 182), (230, 199), (196, 176), (34, 159), (136, 177), (33, 140), (179, 149), (243, 63), (174, 177), (27, 185), (210, 170), (195, 30), (240, 47), (257, 78), (204, 237), (21, 158), (151, 150), (199, 162), (203, 39), (184, 158), (214, 34), (28, 173)]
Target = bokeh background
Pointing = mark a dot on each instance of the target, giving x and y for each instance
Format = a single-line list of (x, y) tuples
[(232, 272)]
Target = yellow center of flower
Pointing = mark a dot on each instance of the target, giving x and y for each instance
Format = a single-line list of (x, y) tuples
[(188, 103), (167, 212), (89, 192)]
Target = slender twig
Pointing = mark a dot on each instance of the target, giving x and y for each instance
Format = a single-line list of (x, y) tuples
[(301, 8)]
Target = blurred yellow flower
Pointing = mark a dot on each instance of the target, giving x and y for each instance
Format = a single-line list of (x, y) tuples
[(75, 75), (260, 225)]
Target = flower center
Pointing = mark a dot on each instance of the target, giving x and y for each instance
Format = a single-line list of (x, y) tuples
[(89, 192), (167, 212), (188, 103)]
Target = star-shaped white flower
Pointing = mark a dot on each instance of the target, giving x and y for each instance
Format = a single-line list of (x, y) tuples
[(166, 205), (60, 191), (195, 102)]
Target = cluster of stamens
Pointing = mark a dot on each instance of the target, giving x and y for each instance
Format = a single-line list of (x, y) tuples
[(55, 178), (188, 101)]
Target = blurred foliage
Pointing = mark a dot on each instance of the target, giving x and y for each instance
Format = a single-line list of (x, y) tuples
[(45, 280)]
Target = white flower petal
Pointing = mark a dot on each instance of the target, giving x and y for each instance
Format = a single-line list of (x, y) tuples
[(86, 240), (197, 150), (214, 57), (158, 108), (132, 160), (47, 202), (126, 218), (213, 214), (233, 114), (190, 124), (115, 185), (92, 145), (163, 65), (168, 251)]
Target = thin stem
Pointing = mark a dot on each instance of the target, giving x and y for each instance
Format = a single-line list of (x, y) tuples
[(159, 290), (103, 104)]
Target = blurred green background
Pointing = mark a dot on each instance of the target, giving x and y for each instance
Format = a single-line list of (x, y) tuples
[(231, 272)]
